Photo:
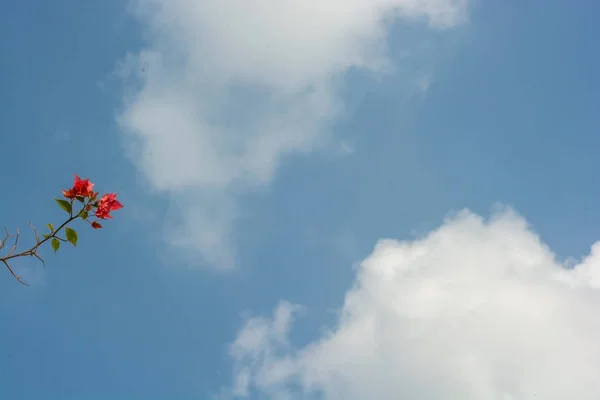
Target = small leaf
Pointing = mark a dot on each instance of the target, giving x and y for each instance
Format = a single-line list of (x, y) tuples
[(80, 198), (46, 236), (83, 215), (51, 227), (55, 244), (71, 236), (65, 205)]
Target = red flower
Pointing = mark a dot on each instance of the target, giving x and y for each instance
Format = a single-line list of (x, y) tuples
[(81, 187), (96, 225), (108, 203)]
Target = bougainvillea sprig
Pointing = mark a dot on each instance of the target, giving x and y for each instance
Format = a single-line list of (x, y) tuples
[(82, 193)]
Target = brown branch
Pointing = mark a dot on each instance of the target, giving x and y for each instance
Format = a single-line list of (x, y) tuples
[(3, 242), (18, 278), (33, 251), (39, 258), (14, 246), (37, 238)]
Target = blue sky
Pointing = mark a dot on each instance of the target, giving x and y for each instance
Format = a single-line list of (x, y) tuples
[(509, 116)]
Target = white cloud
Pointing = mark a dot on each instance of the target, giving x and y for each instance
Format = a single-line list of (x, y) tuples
[(475, 310), (226, 88)]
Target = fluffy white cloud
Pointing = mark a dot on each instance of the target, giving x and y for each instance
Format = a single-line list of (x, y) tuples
[(226, 88), (475, 310)]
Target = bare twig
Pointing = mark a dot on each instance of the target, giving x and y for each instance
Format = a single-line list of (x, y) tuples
[(36, 255), (18, 278), (15, 245), (33, 251), (3, 241), (37, 238)]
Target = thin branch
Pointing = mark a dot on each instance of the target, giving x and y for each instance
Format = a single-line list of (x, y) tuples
[(39, 258), (15, 245), (3, 242), (18, 278), (32, 252), (37, 238)]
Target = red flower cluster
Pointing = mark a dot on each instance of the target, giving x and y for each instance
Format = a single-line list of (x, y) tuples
[(83, 190), (108, 203)]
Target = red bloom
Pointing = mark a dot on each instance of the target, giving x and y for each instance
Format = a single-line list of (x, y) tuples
[(96, 225), (108, 203), (81, 187)]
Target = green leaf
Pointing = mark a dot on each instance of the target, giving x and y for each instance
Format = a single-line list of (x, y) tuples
[(51, 227), (71, 236), (83, 215), (55, 244), (46, 236), (65, 205), (80, 198)]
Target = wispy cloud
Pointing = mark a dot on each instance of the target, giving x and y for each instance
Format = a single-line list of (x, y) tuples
[(225, 89), (474, 310)]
